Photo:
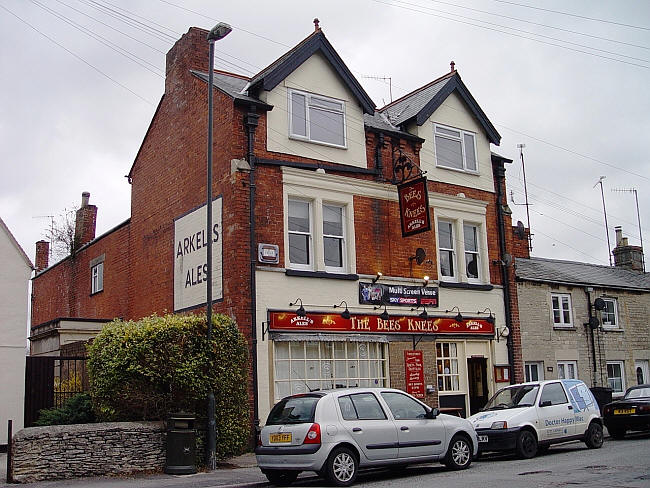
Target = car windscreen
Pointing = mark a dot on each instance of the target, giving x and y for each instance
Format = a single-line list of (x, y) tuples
[(294, 410), (638, 393), (513, 397)]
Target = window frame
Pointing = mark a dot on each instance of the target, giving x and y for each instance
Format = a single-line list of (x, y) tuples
[(621, 365), (440, 371), (344, 265), (562, 324), (460, 139), (565, 365), (452, 251), (97, 278), (540, 370), (310, 240), (477, 253), (308, 97), (616, 324)]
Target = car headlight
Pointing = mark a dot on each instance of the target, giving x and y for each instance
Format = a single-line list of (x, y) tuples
[(502, 424)]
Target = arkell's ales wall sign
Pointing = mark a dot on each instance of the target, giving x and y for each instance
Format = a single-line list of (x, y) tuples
[(414, 207), (408, 296), (190, 257)]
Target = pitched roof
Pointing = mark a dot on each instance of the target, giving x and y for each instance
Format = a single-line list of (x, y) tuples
[(269, 77), (421, 103), (13, 240), (581, 274), (230, 84)]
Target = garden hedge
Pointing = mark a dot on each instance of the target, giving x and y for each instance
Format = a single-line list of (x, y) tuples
[(156, 366)]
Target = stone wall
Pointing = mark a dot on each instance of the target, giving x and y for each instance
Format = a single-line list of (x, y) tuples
[(70, 451)]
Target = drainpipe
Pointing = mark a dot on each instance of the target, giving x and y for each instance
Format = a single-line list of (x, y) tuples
[(379, 164), (594, 380), (251, 121), (500, 173)]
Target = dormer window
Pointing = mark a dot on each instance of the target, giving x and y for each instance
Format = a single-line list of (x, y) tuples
[(455, 149), (316, 118)]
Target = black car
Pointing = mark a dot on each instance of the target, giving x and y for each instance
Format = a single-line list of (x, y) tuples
[(632, 412)]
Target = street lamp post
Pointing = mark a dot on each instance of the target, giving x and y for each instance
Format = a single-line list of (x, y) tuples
[(219, 31)]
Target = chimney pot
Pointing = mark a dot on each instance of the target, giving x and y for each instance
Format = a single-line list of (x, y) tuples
[(85, 198), (619, 234)]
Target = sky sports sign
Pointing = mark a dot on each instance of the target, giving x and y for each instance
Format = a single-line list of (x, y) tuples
[(411, 296), (190, 257)]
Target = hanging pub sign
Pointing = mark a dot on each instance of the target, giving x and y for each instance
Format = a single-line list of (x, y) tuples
[(360, 323), (414, 207), (408, 296), (414, 373)]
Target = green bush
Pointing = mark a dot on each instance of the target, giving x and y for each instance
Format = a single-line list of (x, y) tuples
[(147, 369), (77, 409)]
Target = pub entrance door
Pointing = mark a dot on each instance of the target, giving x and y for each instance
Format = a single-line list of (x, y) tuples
[(477, 381)]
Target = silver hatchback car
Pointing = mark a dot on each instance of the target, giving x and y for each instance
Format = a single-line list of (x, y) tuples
[(336, 432)]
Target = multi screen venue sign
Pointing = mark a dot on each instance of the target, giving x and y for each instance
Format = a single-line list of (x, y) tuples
[(395, 324), (190, 257), (411, 296)]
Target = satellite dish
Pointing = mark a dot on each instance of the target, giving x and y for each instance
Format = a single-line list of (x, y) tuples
[(507, 259), (593, 323), (420, 255), (520, 230), (599, 304)]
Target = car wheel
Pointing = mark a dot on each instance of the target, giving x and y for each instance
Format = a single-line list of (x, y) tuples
[(341, 467), (281, 478), (526, 444), (616, 433), (459, 453), (594, 436)]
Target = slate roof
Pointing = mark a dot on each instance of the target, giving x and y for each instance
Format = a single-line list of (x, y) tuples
[(582, 274), (380, 122), (229, 84), (421, 103)]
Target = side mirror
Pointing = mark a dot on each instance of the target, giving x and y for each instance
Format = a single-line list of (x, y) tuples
[(433, 413), (545, 403)]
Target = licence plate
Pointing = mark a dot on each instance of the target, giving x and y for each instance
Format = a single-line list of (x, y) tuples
[(276, 438), (624, 411), (482, 438)]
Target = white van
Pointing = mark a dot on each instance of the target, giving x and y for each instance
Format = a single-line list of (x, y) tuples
[(527, 418)]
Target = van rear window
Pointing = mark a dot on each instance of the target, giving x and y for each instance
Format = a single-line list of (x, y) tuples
[(294, 410)]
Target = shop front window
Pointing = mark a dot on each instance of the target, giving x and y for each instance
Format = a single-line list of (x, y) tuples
[(302, 366), (447, 364)]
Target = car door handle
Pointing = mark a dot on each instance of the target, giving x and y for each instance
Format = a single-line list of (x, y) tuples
[(403, 427), (356, 429), (570, 407)]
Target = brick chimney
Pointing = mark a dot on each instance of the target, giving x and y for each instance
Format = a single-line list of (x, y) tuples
[(626, 256), (84, 229), (191, 51), (42, 255)]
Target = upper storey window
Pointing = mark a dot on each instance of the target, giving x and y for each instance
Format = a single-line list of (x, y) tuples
[(455, 149), (316, 118)]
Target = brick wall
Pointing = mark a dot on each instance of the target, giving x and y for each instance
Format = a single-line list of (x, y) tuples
[(397, 373)]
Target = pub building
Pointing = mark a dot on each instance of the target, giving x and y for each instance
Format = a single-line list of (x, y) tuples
[(353, 245)]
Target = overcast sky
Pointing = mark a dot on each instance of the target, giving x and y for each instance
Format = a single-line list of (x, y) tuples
[(81, 80)]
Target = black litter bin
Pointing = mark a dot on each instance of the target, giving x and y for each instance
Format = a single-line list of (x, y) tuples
[(181, 445), (603, 396)]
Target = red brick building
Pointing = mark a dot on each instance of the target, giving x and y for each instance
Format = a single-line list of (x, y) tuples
[(304, 146)]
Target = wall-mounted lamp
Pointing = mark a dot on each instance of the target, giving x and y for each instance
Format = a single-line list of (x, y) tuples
[(346, 313), (384, 315), (490, 318), (503, 332), (377, 277), (426, 280), (458, 317), (423, 314), (301, 310)]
